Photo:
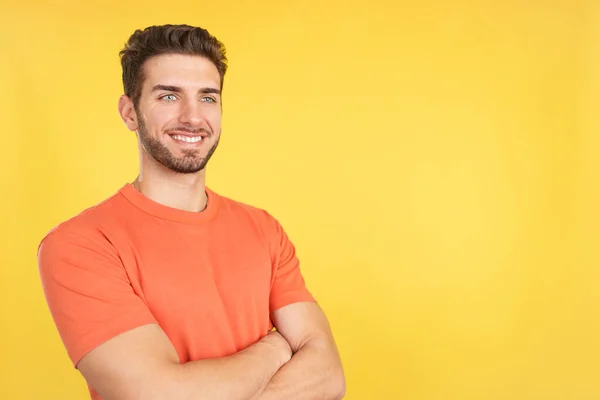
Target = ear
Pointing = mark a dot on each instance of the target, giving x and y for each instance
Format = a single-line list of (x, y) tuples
[(127, 112)]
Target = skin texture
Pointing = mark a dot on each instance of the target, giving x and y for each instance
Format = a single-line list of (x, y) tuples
[(173, 172)]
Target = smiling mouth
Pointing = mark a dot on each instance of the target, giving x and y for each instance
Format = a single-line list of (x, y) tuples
[(187, 139)]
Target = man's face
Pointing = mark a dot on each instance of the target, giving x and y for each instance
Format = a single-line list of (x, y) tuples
[(179, 111)]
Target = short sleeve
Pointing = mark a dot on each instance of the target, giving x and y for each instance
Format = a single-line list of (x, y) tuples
[(288, 284), (87, 291)]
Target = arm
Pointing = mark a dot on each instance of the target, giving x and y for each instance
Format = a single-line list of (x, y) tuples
[(142, 364), (116, 343), (315, 370)]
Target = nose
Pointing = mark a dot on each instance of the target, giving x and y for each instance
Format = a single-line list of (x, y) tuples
[(190, 113)]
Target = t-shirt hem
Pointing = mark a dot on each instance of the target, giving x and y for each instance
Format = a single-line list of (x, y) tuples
[(82, 350), (291, 299)]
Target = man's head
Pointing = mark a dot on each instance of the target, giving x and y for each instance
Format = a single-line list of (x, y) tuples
[(173, 79)]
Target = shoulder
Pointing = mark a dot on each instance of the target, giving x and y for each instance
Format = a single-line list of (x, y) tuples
[(245, 210), (260, 220), (84, 228)]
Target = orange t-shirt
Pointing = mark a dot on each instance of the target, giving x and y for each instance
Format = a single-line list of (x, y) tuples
[(209, 279)]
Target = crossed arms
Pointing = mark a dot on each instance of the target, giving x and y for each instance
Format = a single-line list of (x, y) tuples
[(299, 361)]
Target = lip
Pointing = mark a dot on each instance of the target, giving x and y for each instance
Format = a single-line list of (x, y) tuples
[(183, 143), (187, 134)]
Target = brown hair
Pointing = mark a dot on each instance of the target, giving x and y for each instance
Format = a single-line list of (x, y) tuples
[(166, 39)]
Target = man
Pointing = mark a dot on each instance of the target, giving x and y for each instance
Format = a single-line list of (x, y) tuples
[(167, 290)]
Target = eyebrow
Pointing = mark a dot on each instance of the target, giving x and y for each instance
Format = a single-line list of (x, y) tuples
[(177, 89), (207, 90)]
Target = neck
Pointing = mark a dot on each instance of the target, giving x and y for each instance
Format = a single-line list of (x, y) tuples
[(185, 192)]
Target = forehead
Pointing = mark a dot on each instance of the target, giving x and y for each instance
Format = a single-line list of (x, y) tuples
[(181, 70)]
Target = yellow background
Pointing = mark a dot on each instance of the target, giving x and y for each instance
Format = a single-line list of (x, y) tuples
[(436, 163)]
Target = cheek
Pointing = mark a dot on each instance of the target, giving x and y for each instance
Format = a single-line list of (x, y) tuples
[(161, 118), (213, 119)]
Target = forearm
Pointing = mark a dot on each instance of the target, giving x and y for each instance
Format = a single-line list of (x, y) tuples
[(314, 373), (237, 377)]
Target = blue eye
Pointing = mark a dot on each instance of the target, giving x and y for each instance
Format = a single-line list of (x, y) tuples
[(208, 99), (169, 97)]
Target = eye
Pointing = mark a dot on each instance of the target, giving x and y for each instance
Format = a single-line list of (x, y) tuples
[(169, 97), (208, 100)]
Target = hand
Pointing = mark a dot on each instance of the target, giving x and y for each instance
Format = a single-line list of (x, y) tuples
[(281, 347)]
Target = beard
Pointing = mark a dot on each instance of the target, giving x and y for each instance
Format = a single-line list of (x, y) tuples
[(189, 163)]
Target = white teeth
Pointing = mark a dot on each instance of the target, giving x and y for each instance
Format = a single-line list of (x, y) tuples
[(188, 139)]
